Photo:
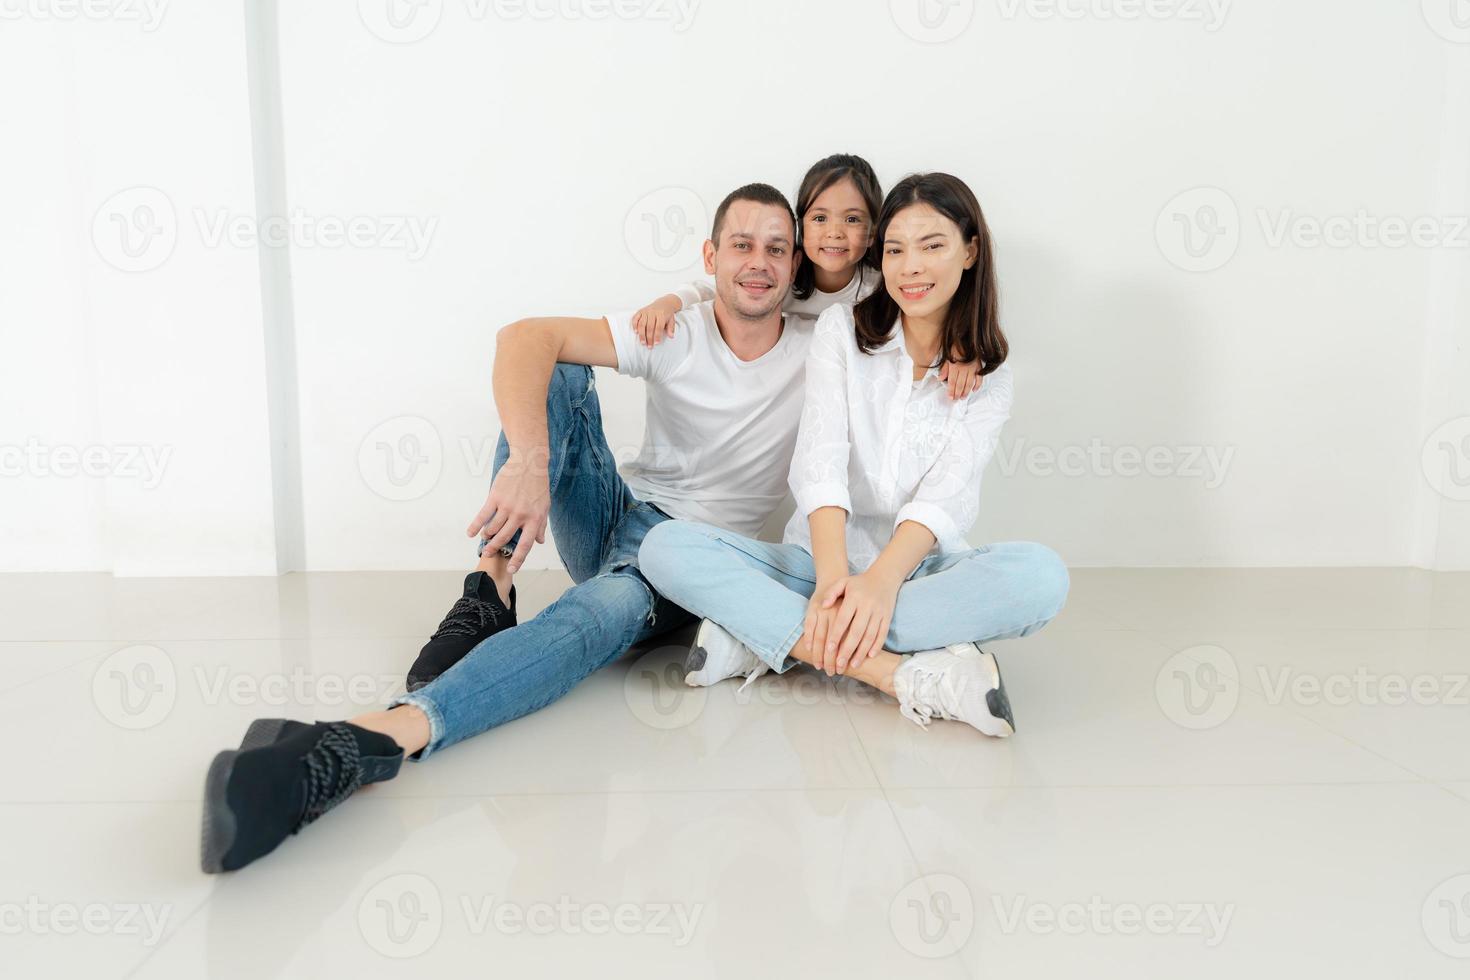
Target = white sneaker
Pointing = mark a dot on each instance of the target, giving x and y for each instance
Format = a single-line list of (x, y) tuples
[(715, 656), (958, 683)]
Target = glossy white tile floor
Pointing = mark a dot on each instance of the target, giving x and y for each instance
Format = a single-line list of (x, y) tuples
[(1217, 773)]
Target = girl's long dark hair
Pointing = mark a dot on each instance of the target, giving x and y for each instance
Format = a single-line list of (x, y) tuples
[(822, 175), (972, 325)]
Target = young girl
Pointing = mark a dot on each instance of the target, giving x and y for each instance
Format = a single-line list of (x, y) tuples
[(835, 205), (875, 578)]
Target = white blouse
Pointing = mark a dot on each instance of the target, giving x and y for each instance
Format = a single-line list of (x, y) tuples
[(886, 448)]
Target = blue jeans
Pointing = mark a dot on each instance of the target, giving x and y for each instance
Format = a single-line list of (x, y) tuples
[(759, 592), (598, 525)]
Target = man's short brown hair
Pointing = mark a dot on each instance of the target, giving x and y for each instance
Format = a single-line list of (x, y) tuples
[(760, 194)]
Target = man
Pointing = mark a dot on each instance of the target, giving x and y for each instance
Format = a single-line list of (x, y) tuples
[(724, 402)]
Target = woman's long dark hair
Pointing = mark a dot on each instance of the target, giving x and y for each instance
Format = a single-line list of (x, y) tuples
[(972, 325), (822, 175)]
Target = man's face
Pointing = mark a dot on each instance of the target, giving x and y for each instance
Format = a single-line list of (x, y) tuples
[(754, 260)]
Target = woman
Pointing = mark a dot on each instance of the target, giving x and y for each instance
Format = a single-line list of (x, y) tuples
[(874, 578)]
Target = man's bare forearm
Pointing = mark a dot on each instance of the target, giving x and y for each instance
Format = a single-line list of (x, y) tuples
[(525, 358)]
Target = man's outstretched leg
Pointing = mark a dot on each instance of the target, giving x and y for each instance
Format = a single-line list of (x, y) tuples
[(288, 774)]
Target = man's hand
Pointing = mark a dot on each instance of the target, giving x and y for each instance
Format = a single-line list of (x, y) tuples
[(860, 623), (519, 500)]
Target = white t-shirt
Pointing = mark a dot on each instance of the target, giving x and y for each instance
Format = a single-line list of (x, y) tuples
[(720, 431), (886, 448), (859, 288)]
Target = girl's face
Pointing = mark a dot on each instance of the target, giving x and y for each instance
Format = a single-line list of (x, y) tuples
[(924, 256), (837, 229)]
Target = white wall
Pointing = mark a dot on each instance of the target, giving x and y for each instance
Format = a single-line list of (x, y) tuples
[(132, 340), (498, 164)]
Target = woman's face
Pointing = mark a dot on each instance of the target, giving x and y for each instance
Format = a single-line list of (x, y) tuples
[(924, 256), (837, 229)]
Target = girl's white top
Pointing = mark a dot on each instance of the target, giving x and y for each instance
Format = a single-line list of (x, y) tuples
[(886, 448), (861, 286)]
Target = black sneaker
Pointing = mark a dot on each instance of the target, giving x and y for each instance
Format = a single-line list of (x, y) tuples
[(264, 731), (257, 797), (477, 614)]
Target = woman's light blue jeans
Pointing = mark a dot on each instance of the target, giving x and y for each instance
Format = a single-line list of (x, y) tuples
[(759, 591)]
